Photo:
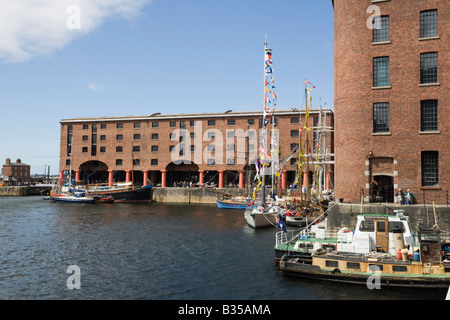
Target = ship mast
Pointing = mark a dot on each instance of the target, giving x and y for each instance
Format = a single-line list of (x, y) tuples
[(308, 155), (264, 136)]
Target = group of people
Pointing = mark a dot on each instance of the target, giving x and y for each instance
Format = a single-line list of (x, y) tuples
[(404, 198), (184, 184)]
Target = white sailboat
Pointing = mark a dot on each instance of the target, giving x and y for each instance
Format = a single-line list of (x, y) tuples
[(264, 215)]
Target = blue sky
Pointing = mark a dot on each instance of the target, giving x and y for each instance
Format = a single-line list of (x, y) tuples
[(138, 57)]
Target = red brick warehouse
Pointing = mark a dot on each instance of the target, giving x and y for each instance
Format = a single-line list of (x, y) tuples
[(217, 147), (392, 113)]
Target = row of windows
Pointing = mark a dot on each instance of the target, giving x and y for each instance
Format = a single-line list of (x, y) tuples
[(211, 147), (356, 266), (428, 26), (172, 136), (155, 124), (155, 136), (428, 116), (154, 162), (119, 137), (173, 124), (119, 162), (428, 69)]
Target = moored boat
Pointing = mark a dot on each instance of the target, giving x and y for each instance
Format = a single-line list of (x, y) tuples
[(124, 194), (260, 217), (426, 268), (233, 204), (373, 232), (77, 196), (267, 162)]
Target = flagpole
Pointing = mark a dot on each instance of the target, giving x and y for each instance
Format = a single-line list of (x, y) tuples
[(263, 171), (300, 159), (307, 145)]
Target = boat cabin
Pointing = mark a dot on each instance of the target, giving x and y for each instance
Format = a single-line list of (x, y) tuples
[(378, 232), (373, 232)]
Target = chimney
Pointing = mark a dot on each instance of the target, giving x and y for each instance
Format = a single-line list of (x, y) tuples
[(8, 161), (18, 161)]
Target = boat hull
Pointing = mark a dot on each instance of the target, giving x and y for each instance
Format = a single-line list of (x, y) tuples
[(296, 221), (260, 220), (296, 268), (232, 205), (143, 194), (73, 199)]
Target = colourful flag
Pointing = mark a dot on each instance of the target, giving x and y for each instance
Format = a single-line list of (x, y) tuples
[(307, 82), (264, 153)]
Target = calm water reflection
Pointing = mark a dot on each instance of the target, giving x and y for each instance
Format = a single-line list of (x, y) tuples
[(148, 251)]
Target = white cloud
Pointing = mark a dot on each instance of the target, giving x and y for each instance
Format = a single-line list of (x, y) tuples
[(30, 28), (95, 87)]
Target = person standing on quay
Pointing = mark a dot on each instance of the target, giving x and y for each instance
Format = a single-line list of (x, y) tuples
[(399, 196), (408, 197)]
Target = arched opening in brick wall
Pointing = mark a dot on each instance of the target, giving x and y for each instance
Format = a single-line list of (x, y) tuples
[(381, 179), (93, 172), (182, 174)]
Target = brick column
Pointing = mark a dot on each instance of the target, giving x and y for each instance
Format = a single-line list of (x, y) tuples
[(283, 179), (110, 178), (128, 177), (163, 178), (328, 181), (220, 179), (241, 180), (200, 177), (145, 177), (77, 175), (305, 179), (61, 177)]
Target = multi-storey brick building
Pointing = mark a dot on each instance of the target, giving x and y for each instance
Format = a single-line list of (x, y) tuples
[(392, 95), (170, 150), (16, 172)]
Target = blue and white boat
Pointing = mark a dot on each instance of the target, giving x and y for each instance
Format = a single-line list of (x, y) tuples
[(74, 197), (233, 204)]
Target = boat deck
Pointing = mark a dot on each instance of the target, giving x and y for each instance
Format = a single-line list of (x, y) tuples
[(291, 245)]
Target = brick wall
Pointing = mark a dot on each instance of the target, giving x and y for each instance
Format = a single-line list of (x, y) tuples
[(355, 96), (231, 122)]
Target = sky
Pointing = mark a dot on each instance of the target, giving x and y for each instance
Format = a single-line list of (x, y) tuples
[(63, 59)]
